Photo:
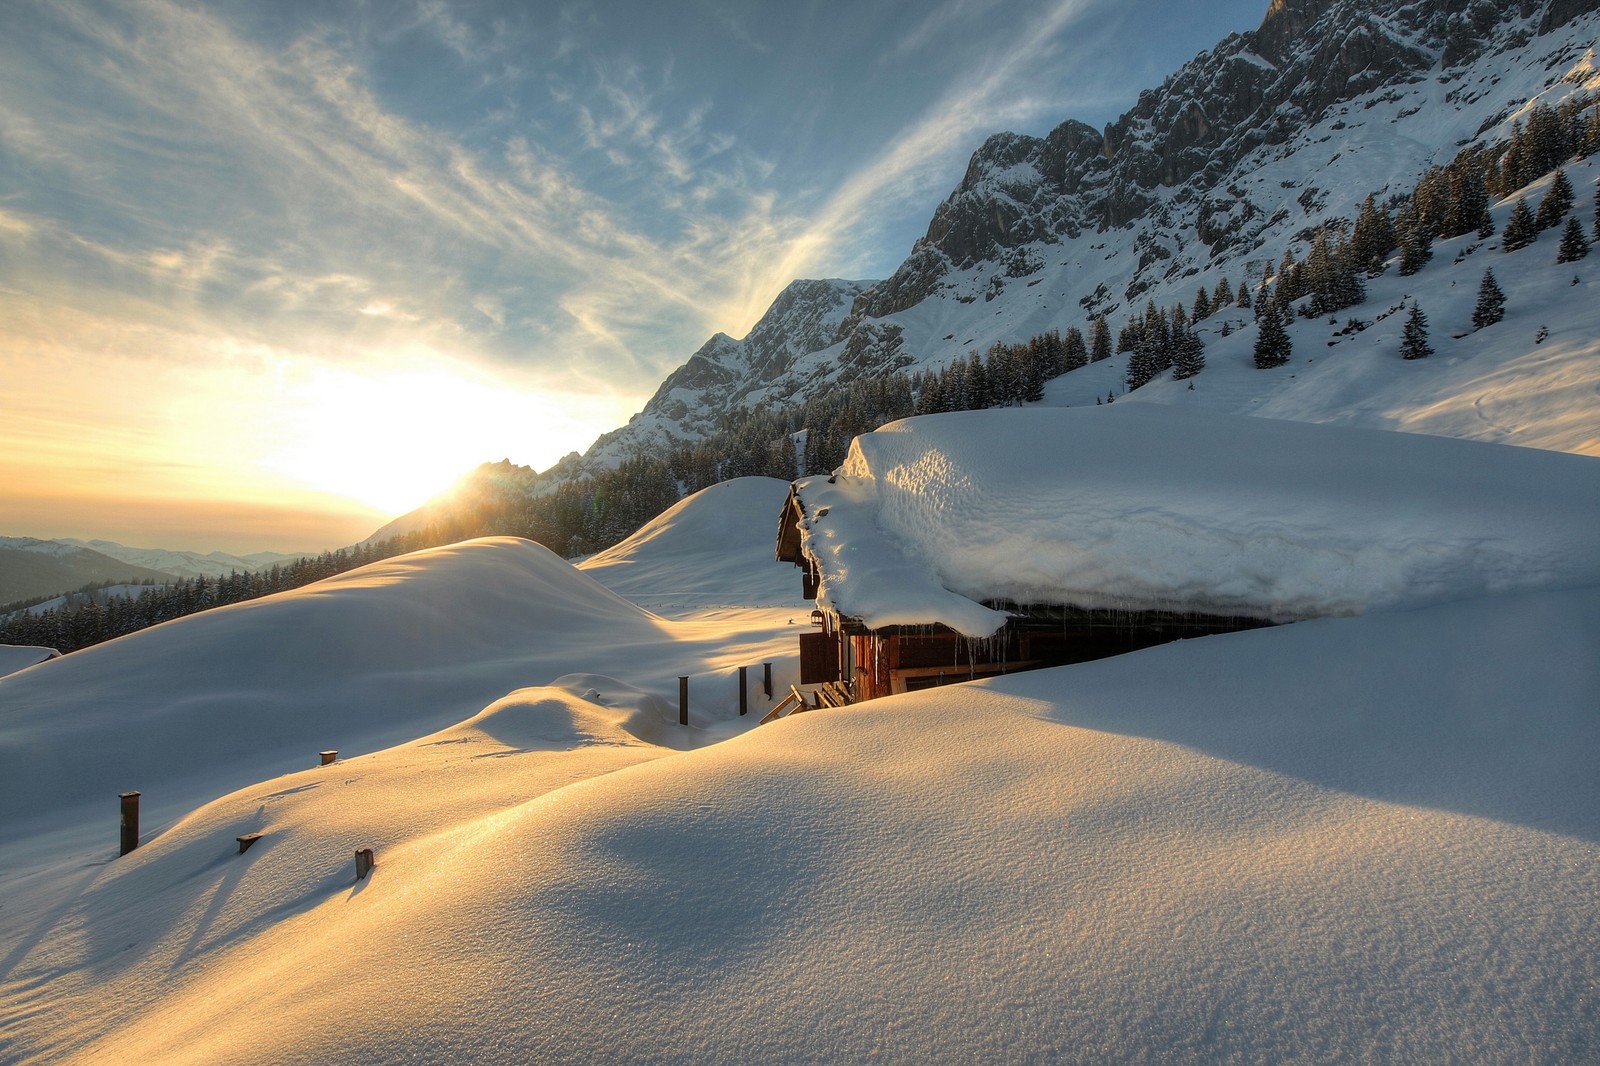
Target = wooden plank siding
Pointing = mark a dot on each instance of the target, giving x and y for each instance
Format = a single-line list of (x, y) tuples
[(819, 658)]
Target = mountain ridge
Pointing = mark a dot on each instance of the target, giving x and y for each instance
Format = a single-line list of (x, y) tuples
[(1174, 192)]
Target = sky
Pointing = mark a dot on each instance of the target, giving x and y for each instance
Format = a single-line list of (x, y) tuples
[(271, 274)]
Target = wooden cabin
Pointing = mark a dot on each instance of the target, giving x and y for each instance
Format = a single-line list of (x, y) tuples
[(896, 658)]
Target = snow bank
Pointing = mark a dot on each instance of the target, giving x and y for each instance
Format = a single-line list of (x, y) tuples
[(1136, 506)]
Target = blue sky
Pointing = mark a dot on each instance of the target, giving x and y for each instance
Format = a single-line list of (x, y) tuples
[(267, 260)]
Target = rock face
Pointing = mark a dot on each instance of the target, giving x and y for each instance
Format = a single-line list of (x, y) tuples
[(1253, 89), (726, 375), (1200, 177)]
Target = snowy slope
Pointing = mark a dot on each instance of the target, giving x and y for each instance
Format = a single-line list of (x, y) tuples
[(682, 559), (362, 661), (1497, 384), (14, 657), (1348, 840)]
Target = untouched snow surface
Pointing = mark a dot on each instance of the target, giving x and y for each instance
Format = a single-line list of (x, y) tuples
[(371, 658), (1137, 506), (1370, 838), (706, 551)]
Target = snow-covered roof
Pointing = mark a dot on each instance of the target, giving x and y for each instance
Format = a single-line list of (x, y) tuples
[(14, 657), (1136, 507)]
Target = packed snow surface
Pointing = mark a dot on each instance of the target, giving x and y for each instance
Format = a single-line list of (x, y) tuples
[(1138, 506)]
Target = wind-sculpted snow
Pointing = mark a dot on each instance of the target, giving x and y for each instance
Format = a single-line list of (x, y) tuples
[(1347, 840), (354, 663), (712, 549), (1356, 840), (1133, 506)]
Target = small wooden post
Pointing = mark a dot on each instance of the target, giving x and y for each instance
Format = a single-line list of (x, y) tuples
[(683, 700), (130, 820), (766, 679), (246, 840), (328, 756), (744, 689), (364, 863)]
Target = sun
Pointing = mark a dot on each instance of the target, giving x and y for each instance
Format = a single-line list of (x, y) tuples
[(393, 439)]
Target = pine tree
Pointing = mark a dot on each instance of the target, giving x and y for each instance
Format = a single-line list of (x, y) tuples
[(1469, 199), (1222, 296), (1574, 245), (1074, 352), (1556, 203), (1273, 347), (1597, 212), (1491, 306), (1416, 243), (1100, 346), (1520, 230), (1414, 336), (1202, 304), (1373, 238), (1188, 354)]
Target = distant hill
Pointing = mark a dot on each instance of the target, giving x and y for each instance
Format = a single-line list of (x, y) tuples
[(188, 564), (31, 568)]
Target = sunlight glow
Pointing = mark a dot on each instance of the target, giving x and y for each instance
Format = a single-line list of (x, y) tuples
[(395, 438)]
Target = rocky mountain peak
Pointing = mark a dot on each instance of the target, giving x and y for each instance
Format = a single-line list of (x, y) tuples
[(1284, 25)]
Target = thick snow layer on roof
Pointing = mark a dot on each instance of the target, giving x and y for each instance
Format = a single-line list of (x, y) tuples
[(1134, 507), (14, 657)]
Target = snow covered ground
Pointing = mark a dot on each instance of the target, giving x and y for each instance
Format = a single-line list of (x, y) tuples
[(1350, 839)]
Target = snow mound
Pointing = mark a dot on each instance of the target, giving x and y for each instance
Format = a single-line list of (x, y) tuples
[(199, 706), (1136, 506), (1355, 839), (712, 549)]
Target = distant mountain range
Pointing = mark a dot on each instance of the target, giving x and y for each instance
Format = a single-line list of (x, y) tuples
[(31, 568)]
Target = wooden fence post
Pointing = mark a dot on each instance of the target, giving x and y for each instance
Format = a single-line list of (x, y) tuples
[(744, 690), (130, 820), (328, 756), (364, 863), (766, 679), (683, 700)]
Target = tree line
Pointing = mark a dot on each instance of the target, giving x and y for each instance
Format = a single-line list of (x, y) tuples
[(81, 623)]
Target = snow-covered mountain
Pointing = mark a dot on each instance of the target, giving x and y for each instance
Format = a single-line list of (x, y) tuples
[(727, 375), (1237, 157)]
